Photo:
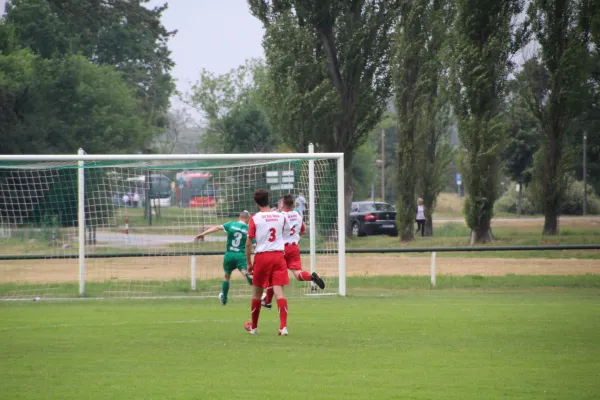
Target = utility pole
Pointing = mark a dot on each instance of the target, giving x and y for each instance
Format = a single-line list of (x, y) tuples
[(382, 164), (584, 173)]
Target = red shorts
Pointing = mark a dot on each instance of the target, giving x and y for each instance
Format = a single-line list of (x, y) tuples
[(270, 269), (292, 257)]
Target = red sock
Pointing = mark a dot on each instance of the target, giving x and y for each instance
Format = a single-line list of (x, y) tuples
[(269, 296), (304, 276), (283, 312), (255, 312)]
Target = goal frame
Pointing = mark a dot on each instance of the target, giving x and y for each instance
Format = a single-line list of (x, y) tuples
[(81, 158)]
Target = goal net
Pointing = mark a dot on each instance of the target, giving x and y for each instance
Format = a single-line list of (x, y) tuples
[(140, 217)]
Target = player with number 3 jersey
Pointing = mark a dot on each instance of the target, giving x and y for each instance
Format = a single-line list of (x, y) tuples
[(269, 266), (292, 232), (235, 257)]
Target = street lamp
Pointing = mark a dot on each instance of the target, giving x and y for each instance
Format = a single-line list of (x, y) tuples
[(584, 173), (381, 165)]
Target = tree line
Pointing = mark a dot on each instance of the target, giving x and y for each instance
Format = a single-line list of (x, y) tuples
[(83, 73), (518, 80)]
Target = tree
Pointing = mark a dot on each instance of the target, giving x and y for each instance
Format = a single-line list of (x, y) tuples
[(589, 121), (247, 131), (121, 33), (58, 106), (439, 154), (424, 152), (363, 171), (557, 25), (480, 48), (333, 55), (177, 122), (523, 135), (387, 126), (232, 107), (410, 55)]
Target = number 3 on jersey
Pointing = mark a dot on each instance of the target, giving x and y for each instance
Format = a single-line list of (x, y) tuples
[(237, 239), (273, 235)]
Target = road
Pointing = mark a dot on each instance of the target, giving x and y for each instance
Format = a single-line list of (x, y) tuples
[(149, 240), (435, 220)]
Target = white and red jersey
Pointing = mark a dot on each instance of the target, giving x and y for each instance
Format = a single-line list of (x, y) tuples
[(267, 229), (294, 227)]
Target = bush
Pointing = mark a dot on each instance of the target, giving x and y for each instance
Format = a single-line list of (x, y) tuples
[(508, 202), (573, 201), (571, 205)]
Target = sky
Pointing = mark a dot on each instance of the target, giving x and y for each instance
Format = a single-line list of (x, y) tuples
[(215, 35)]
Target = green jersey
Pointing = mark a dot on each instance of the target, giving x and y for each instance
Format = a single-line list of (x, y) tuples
[(237, 232)]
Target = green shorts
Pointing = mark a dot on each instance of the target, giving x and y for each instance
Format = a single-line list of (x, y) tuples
[(233, 261)]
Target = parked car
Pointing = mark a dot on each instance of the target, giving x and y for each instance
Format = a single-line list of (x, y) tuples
[(372, 218)]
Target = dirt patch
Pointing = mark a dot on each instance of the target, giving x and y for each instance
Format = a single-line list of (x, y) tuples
[(209, 267), (382, 265)]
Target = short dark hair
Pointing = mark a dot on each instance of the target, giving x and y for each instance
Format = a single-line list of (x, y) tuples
[(261, 197), (288, 201)]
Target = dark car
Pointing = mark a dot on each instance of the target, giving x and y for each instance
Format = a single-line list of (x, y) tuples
[(372, 218)]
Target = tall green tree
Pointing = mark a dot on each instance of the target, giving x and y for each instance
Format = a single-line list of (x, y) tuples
[(589, 122), (331, 57), (557, 25), (522, 136), (232, 108), (122, 33), (58, 106), (480, 48), (424, 151), (410, 57)]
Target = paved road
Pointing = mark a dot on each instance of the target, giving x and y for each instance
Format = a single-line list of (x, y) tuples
[(436, 220), (148, 240)]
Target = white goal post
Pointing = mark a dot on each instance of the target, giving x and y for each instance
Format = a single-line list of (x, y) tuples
[(136, 216)]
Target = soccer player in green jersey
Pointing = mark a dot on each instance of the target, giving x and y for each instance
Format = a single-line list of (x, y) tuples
[(235, 256)]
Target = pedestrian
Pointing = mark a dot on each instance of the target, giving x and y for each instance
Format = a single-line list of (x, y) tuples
[(420, 217)]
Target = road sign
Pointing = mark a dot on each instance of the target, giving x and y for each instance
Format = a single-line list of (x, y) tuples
[(458, 179)]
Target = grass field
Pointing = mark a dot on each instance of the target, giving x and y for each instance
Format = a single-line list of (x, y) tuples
[(380, 343)]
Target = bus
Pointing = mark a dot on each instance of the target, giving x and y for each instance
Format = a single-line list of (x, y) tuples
[(196, 189), (158, 185)]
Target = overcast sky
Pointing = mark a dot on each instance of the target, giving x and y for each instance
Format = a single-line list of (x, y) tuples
[(216, 35)]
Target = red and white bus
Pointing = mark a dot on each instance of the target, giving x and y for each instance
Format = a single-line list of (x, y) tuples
[(195, 189)]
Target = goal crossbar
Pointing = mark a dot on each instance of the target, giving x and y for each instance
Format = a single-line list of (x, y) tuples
[(170, 157)]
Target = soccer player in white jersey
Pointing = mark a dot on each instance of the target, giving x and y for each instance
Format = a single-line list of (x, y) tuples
[(269, 266), (294, 229)]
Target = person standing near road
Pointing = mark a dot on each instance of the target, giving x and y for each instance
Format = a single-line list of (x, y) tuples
[(420, 217)]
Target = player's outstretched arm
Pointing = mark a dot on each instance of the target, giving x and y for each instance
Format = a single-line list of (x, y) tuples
[(212, 229)]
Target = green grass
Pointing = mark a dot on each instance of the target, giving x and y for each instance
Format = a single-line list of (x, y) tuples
[(356, 285), (417, 344)]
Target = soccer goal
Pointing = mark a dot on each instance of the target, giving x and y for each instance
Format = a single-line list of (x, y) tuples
[(124, 225)]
